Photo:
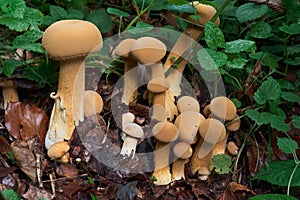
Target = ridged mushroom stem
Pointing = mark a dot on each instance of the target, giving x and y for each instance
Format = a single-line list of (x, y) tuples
[(9, 91), (130, 85)]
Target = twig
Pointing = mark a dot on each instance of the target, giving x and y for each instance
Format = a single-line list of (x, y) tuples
[(38, 170), (52, 184), (63, 178)]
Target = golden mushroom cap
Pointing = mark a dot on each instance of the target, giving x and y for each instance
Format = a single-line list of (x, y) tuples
[(188, 124), (133, 130), (58, 149), (123, 48), (93, 103), (127, 118), (206, 12), (234, 124), (212, 130), (68, 39), (223, 108), (158, 85), (148, 50), (165, 131), (188, 103), (182, 150)]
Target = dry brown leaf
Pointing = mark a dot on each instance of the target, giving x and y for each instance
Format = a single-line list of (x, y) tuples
[(67, 170), (3, 145), (25, 121), (34, 193), (235, 187)]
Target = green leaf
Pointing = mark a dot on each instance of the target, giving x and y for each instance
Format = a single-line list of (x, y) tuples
[(256, 55), (74, 14), (292, 29), (296, 121), (101, 19), (287, 145), (277, 123), (257, 117), (295, 61), (237, 63), (293, 49), (58, 12), (285, 84), (273, 197), (213, 35), (10, 195), (182, 24), (186, 8), (269, 90), (177, 2), (206, 61), (48, 20), (250, 11), (261, 30), (117, 12), (28, 37), (141, 27), (279, 172), (222, 163), (269, 61), (240, 45), (219, 58), (9, 66), (13, 8), (290, 96), (236, 102)]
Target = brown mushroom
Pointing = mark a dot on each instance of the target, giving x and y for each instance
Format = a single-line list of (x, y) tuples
[(93, 103), (58, 149), (69, 42), (9, 91), (165, 132), (188, 103), (222, 108), (234, 124), (232, 148), (182, 151)]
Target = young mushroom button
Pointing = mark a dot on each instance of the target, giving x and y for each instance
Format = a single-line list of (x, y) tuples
[(222, 108), (69, 42)]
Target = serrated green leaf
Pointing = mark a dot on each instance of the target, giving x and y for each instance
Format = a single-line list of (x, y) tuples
[(261, 30), (293, 49), (269, 90), (74, 14), (273, 197), (117, 12), (206, 61), (257, 117), (284, 84), (13, 8), (13, 23), (10, 194), (48, 20), (9, 66), (295, 61), (237, 63), (292, 29), (213, 35), (240, 45), (222, 163), (269, 62), (28, 37), (256, 55), (219, 58), (250, 11), (58, 12), (101, 19), (287, 145), (279, 172), (290, 96), (278, 123), (34, 47), (296, 121)]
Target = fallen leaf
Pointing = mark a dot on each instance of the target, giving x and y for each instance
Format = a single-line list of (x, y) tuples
[(4, 147), (4, 171), (67, 170), (34, 193), (26, 121), (238, 187)]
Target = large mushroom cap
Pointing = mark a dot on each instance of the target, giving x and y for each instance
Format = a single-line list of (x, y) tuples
[(67, 39), (158, 85), (148, 50), (133, 130), (223, 108), (165, 131), (182, 150), (93, 103), (123, 48), (206, 12), (187, 103), (58, 149), (234, 124), (212, 131)]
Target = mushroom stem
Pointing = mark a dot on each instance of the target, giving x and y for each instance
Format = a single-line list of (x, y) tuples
[(9, 91), (129, 146), (130, 85), (178, 169)]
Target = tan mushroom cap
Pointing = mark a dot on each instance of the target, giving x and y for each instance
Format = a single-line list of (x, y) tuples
[(127, 118), (206, 12), (206, 111), (158, 85), (223, 108), (188, 103), (232, 148), (234, 124), (212, 131), (133, 130), (67, 39), (182, 150), (123, 48), (93, 103), (188, 124), (148, 50), (165, 131), (58, 149)]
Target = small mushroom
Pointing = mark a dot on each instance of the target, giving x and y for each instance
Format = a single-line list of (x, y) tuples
[(206, 12), (93, 103), (165, 132), (58, 149), (222, 108), (9, 91), (232, 148), (69, 42), (188, 103), (234, 124)]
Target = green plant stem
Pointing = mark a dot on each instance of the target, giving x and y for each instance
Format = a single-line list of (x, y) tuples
[(222, 7), (291, 178)]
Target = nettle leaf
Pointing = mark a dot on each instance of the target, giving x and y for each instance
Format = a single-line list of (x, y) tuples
[(117, 12), (250, 11), (28, 37), (261, 30), (222, 163), (213, 35), (268, 61), (295, 61), (287, 145), (279, 172), (257, 117), (48, 20), (290, 96), (269, 90), (9, 66), (101, 19), (292, 29), (240, 45), (277, 122), (13, 8), (293, 49), (58, 12), (219, 58), (237, 63), (296, 121), (285, 84), (272, 197), (206, 61), (74, 14)]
